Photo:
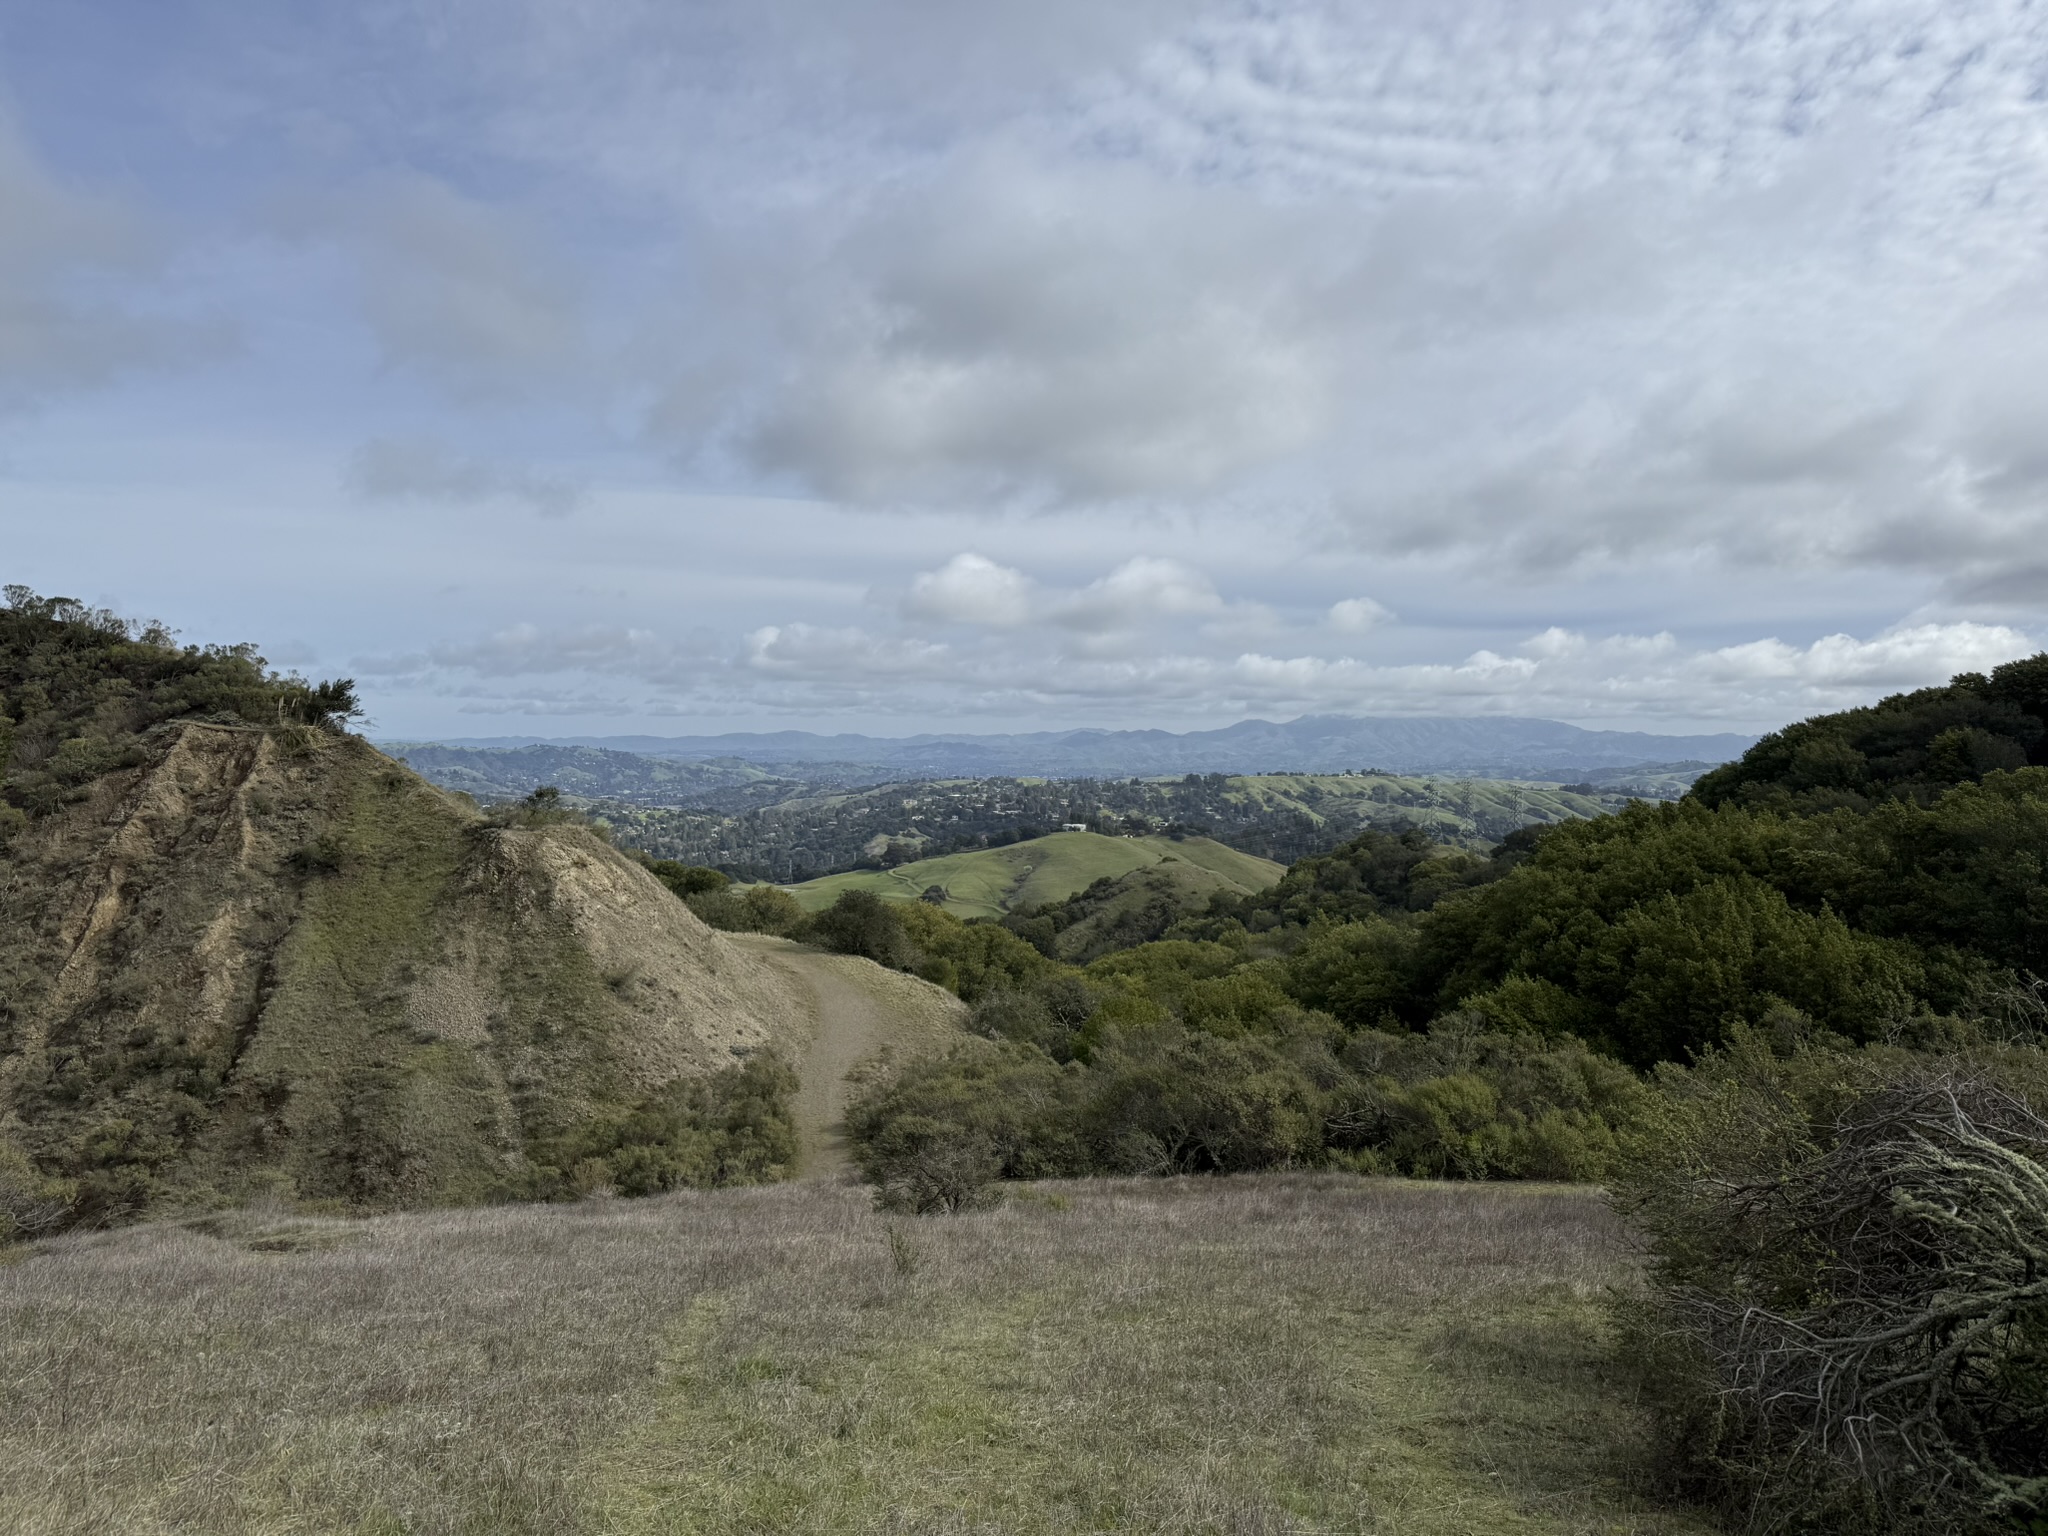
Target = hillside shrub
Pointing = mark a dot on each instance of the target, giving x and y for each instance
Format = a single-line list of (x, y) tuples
[(1361, 973), (1055, 1091), (970, 959), (1181, 1101), (1052, 1013), (1375, 874), (1849, 1330), (733, 1127), (1115, 912), (1465, 1101), (930, 1167), (1654, 931), (1909, 747), (933, 1137), (862, 923), (30, 1203), (686, 880), (80, 687), (754, 909), (543, 808)]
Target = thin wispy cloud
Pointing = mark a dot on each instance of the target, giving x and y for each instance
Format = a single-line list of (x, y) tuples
[(423, 470), (78, 274)]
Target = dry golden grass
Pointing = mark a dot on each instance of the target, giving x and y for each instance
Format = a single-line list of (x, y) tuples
[(1279, 1354)]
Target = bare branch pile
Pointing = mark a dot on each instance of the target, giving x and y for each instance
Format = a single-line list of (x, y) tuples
[(1871, 1308)]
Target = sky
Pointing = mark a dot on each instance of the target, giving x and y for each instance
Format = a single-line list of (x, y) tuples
[(680, 366)]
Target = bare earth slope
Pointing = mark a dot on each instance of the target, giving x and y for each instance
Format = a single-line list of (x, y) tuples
[(267, 961), (857, 1010)]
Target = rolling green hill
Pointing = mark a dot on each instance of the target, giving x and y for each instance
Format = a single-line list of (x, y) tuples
[(991, 881)]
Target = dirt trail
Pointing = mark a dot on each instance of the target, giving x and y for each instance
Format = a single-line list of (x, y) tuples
[(857, 1008)]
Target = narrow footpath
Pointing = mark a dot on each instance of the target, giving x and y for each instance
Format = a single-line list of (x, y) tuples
[(857, 1010)]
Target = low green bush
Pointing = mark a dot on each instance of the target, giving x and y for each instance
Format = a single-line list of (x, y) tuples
[(733, 1127), (1052, 1091), (685, 880), (973, 960), (935, 1135), (1177, 1100), (30, 1203), (862, 923), (752, 909)]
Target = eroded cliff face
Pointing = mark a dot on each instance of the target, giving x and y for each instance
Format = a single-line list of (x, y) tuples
[(282, 960)]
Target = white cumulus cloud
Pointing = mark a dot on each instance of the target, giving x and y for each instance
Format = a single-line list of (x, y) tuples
[(813, 651), (1355, 615), (1143, 588), (971, 589)]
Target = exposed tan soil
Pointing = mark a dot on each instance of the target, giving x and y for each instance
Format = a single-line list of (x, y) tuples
[(264, 963), (857, 1013)]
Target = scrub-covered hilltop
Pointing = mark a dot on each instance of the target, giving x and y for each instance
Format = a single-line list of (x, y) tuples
[(243, 951)]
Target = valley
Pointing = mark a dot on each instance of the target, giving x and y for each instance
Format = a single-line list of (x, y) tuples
[(1057, 1165)]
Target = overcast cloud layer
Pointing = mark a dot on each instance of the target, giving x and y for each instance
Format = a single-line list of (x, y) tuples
[(895, 364)]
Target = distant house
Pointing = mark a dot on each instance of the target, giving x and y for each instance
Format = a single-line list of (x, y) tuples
[(1073, 826)]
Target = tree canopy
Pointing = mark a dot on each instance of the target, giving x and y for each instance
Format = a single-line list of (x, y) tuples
[(81, 687)]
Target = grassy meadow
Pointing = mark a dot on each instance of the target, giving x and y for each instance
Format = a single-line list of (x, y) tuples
[(987, 882), (1288, 1353)]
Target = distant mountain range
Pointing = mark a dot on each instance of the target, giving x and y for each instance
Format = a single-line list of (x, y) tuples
[(1488, 747), (594, 773)]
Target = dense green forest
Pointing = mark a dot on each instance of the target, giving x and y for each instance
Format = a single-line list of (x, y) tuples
[(1912, 746), (1281, 816)]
